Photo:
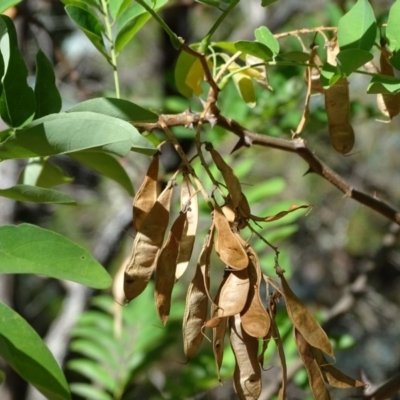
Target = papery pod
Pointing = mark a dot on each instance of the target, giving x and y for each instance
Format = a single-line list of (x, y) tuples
[(247, 374), (337, 106), (231, 180), (197, 301), (189, 200), (332, 375), (227, 244), (146, 196), (315, 376), (388, 104), (255, 319), (147, 245), (166, 267), (304, 321)]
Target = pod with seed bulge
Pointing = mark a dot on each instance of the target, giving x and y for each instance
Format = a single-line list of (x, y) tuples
[(147, 245), (166, 267), (337, 106)]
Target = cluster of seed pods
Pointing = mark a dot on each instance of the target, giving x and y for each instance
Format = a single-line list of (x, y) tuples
[(237, 310)]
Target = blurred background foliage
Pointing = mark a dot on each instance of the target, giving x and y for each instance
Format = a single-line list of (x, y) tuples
[(338, 249)]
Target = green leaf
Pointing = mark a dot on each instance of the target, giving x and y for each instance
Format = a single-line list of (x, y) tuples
[(330, 75), (48, 99), (43, 173), (350, 60), (106, 165), (23, 349), (71, 132), (255, 49), (132, 20), (264, 36), (189, 75), (17, 101), (357, 29), (117, 108), (393, 27), (117, 7), (265, 3), (395, 60), (6, 4), (93, 371), (94, 351), (28, 249), (297, 56), (384, 84), (89, 392), (90, 25), (36, 194), (245, 87)]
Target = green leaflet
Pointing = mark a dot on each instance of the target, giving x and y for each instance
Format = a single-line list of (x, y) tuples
[(17, 101), (23, 349), (28, 249)]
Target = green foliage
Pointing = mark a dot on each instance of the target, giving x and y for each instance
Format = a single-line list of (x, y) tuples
[(23, 349), (50, 254), (17, 101), (36, 194), (6, 4)]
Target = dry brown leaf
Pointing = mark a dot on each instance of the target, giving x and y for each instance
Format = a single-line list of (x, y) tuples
[(332, 375), (227, 244), (255, 319), (189, 233), (165, 269), (304, 321), (197, 302), (280, 214), (315, 377), (147, 245), (146, 196), (231, 180), (247, 374)]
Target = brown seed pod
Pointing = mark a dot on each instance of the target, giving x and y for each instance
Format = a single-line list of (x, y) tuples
[(231, 297), (388, 104), (255, 319), (314, 72), (337, 106), (304, 321), (227, 244), (147, 245), (231, 180), (332, 375), (197, 301), (189, 233), (146, 196), (314, 373), (247, 374), (166, 267)]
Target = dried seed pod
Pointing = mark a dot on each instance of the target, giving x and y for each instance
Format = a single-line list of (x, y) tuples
[(218, 343), (197, 301), (189, 233), (146, 196), (166, 267), (337, 105), (388, 104), (255, 319), (232, 296), (231, 180), (247, 375), (332, 375), (147, 245), (227, 244), (314, 373), (314, 72), (304, 321)]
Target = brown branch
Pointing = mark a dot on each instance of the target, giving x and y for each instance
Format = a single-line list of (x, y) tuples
[(297, 146)]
